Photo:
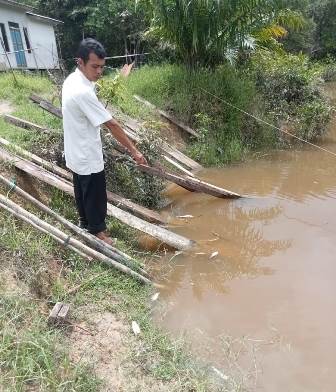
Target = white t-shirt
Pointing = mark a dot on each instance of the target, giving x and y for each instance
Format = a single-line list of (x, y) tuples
[(82, 116)]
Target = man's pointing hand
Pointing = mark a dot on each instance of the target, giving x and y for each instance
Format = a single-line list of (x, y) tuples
[(139, 158)]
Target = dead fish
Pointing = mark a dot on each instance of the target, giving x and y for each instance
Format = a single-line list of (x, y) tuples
[(155, 296), (213, 255), (185, 216)]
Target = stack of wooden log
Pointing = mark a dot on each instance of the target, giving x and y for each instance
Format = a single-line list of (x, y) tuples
[(89, 246), (128, 212)]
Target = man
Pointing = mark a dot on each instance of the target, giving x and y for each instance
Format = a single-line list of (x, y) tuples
[(83, 115)]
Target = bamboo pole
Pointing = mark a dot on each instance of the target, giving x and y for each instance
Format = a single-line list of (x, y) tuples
[(9, 63), (165, 236), (93, 241), (68, 240), (168, 117), (128, 205)]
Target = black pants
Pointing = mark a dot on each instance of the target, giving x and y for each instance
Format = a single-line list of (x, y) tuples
[(91, 200)]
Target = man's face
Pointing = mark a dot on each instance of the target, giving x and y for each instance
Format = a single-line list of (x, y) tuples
[(94, 67)]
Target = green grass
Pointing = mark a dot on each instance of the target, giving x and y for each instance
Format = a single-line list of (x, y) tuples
[(31, 355), (226, 134)]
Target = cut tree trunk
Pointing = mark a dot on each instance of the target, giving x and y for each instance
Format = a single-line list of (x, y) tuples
[(191, 184), (19, 122)]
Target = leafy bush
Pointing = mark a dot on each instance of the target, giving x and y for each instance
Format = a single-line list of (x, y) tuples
[(290, 86)]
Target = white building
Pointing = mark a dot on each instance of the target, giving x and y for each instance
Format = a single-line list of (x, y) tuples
[(27, 40)]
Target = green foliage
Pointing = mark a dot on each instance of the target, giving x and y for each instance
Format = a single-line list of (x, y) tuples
[(117, 24), (205, 32), (290, 87), (109, 88), (224, 136), (323, 13), (123, 178)]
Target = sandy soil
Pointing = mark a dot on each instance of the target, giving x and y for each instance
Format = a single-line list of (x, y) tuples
[(5, 107)]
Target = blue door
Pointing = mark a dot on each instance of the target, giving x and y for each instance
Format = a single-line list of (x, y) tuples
[(17, 44)]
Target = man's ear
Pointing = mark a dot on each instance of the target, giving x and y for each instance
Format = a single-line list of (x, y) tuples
[(80, 62)]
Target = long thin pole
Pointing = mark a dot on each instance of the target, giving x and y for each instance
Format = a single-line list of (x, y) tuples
[(93, 241), (65, 239), (9, 63)]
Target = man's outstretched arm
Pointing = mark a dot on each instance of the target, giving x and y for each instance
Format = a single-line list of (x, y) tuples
[(123, 139)]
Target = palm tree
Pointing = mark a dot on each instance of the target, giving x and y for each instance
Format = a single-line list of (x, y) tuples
[(204, 31)]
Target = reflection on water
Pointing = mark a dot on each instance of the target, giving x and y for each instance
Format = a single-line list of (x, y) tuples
[(264, 268), (239, 250)]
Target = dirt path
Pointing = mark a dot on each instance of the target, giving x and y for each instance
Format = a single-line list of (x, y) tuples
[(5, 107)]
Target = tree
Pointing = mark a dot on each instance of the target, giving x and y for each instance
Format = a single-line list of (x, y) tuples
[(118, 24), (323, 13), (204, 31)]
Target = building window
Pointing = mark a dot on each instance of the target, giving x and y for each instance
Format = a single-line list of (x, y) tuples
[(25, 32), (13, 25), (4, 37)]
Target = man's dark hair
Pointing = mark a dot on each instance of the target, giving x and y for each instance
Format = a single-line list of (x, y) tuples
[(90, 45)]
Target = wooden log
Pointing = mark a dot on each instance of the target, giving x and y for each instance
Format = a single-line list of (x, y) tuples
[(65, 239), (51, 109), (168, 117), (44, 104), (93, 241), (185, 171), (59, 314), (119, 201), (131, 131), (54, 313), (139, 211), (174, 240), (63, 314), (178, 155), (190, 183), (36, 159), (19, 122), (36, 98)]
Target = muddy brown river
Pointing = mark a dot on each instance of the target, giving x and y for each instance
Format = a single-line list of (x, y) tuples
[(257, 295)]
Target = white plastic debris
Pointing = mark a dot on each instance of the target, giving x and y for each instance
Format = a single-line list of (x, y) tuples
[(155, 296), (220, 374), (213, 255), (135, 328)]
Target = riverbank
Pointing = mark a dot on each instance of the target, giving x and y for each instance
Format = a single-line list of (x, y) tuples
[(281, 89), (37, 273), (99, 351)]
